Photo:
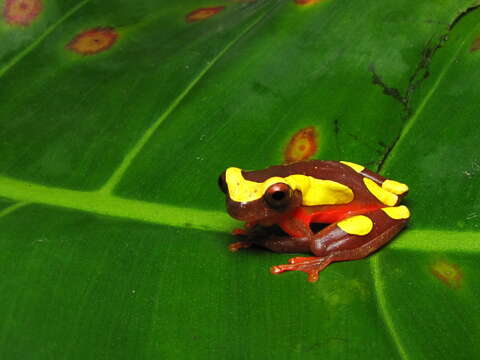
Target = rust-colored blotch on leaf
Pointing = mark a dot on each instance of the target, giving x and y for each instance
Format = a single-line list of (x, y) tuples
[(448, 273), (21, 12), (306, 2), (475, 45), (302, 146), (203, 13), (93, 41)]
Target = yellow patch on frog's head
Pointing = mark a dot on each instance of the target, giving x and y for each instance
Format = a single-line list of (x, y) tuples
[(314, 191)]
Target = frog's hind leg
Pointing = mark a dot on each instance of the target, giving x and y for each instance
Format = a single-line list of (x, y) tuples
[(349, 239)]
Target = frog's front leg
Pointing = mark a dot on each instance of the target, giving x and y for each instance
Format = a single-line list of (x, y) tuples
[(349, 239), (298, 238)]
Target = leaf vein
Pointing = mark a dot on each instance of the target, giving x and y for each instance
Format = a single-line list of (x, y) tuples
[(118, 173), (12, 208), (382, 306)]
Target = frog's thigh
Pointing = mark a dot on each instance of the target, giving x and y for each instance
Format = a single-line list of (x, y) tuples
[(285, 244), (359, 235)]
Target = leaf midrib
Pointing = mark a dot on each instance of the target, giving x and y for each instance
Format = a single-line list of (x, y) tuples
[(106, 204), (99, 203)]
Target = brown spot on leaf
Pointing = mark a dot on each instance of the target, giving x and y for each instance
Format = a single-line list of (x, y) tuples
[(306, 2), (475, 45), (301, 146), (448, 273), (93, 41), (21, 12), (203, 13)]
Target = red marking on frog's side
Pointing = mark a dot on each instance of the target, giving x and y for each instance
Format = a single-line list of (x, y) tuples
[(448, 273), (302, 146), (203, 13), (21, 12), (93, 41)]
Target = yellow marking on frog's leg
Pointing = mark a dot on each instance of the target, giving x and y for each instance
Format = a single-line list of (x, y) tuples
[(356, 167), (314, 191), (397, 212), (356, 225), (395, 187), (381, 194)]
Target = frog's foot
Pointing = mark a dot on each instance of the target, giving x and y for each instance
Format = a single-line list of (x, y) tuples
[(245, 230), (309, 265), (300, 259), (233, 247)]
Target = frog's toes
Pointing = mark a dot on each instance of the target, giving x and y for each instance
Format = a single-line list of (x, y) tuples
[(233, 247), (277, 269), (311, 272), (309, 265), (300, 259)]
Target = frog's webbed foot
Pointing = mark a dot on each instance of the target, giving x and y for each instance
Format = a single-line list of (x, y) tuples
[(309, 265)]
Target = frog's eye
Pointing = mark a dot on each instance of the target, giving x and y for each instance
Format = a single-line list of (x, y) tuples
[(222, 183), (278, 195)]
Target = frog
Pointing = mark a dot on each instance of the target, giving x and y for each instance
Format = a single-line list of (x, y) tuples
[(333, 210)]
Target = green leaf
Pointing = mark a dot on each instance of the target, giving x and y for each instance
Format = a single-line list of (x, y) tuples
[(117, 118)]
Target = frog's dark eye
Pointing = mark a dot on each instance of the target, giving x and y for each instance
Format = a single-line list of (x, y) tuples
[(222, 183), (278, 195)]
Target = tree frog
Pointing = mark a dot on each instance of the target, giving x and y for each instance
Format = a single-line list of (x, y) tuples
[(282, 207)]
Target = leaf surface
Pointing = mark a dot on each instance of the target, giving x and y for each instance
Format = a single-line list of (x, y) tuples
[(118, 117)]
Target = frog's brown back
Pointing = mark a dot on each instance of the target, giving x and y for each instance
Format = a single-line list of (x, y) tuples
[(320, 169), (367, 185)]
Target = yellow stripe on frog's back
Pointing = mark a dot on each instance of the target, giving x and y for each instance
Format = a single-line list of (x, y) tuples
[(380, 193), (392, 186), (356, 167), (314, 191)]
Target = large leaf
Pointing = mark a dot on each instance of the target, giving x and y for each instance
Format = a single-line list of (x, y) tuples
[(116, 119)]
